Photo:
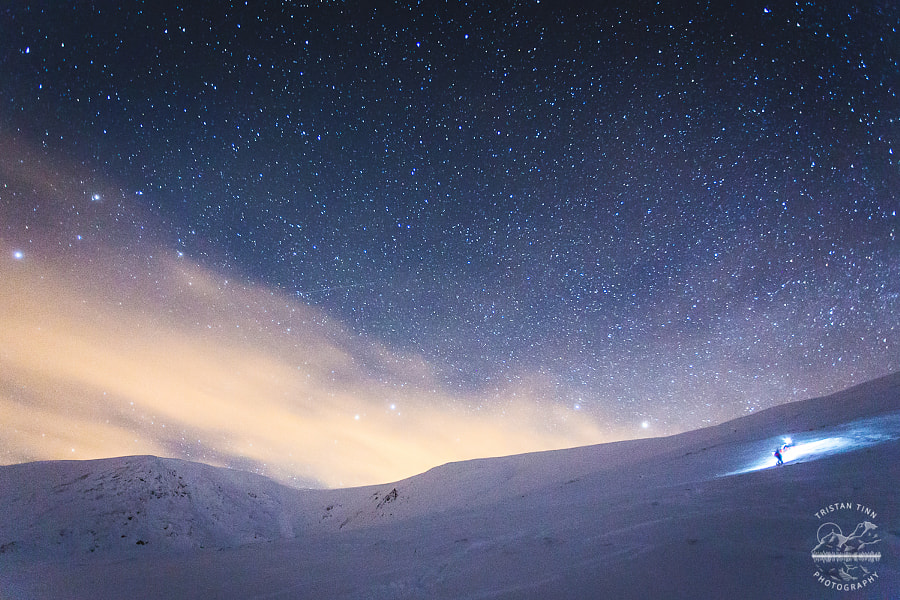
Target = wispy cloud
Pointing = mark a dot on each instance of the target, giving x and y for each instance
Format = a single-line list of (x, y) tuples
[(111, 343), (143, 354)]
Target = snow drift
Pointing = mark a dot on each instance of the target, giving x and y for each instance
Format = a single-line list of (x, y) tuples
[(697, 515)]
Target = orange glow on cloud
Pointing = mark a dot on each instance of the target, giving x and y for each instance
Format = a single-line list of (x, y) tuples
[(165, 357), (111, 345)]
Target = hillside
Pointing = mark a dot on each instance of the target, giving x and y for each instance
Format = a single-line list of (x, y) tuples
[(688, 516)]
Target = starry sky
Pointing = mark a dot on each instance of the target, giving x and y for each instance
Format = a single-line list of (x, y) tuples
[(341, 243)]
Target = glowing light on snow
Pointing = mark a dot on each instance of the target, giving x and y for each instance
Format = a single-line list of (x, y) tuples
[(830, 445), (853, 436), (822, 447)]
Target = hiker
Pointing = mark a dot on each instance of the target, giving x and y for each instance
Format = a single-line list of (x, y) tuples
[(778, 458)]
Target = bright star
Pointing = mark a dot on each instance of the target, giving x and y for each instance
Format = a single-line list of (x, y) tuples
[(18, 254)]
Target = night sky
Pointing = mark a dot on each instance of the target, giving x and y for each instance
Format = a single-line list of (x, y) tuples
[(342, 242)]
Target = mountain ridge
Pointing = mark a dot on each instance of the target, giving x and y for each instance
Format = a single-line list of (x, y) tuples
[(618, 519)]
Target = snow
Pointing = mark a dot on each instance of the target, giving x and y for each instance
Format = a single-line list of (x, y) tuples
[(855, 435), (688, 516)]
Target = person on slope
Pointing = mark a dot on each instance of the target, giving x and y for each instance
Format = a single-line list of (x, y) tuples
[(778, 458)]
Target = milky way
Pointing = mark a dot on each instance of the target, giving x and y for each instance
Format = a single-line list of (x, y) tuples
[(564, 224)]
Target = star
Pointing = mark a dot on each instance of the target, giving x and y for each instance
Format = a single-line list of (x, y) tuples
[(591, 213)]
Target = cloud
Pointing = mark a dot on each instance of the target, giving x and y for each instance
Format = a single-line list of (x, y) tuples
[(151, 353), (113, 344)]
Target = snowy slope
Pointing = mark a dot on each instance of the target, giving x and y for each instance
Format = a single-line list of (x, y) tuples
[(69, 508), (649, 518)]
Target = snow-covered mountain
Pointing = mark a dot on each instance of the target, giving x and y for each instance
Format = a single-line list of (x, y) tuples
[(69, 508), (697, 515)]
